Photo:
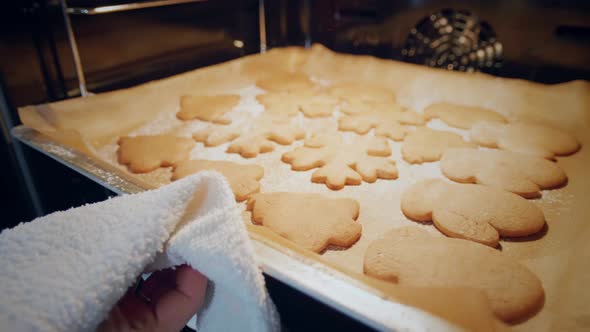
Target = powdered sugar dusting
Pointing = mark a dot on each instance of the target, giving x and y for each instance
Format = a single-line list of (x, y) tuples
[(379, 201)]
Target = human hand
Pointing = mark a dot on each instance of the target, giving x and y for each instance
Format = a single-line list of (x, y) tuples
[(165, 302)]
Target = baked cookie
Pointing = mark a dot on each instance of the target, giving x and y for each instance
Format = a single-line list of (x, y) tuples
[(214, 136), (539, 140), (207, 108), (341, 164), (410, 256), (425, 145), (286, 82), (312, 221), (265, 131), (521, 174), (243, 179), (461, 116), (387, 123), (312, 104), (472, 212), (361, 92), (144, 154), (281, 103)]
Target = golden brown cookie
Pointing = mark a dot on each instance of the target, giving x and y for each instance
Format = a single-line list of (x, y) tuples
[(341, 164), (386, 121), (410, 256), (462, 116), (312, 221), (266, 130), (472, 212), (280, 103), (207, 108), (243, 179), (355, 107), (521, 174), (539, 140), (214, 136), (312, 104), (361, 92), (425, 145), (286, 82), (143, 154)]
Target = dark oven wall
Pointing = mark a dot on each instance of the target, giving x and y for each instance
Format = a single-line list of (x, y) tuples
[(117, 50), (541, 40)]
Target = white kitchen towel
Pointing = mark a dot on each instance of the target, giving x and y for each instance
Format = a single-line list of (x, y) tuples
[(66, 270)]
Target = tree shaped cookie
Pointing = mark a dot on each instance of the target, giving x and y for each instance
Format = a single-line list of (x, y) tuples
[(243, 179), (387, 123), (472, 212), (410, 256), (312, 104), (312, 221), (361, 92), (286, 82), (425, 145), (461, 116), (341, 164), (539, 140), (207, 108), (521, 174), (143, 154)]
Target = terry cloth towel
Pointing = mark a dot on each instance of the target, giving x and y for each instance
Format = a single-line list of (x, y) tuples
[(66, 270)]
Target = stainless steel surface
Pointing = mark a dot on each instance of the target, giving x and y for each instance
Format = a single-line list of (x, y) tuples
[(125, 7), (75, 160), (74, 48), (316, 280)]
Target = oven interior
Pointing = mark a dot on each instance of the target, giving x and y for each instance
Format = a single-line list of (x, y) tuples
[(539, 40)]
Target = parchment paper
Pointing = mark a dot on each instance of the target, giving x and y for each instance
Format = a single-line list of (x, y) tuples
[(560, 256)]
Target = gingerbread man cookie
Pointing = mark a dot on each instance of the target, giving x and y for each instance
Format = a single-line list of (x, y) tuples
[(341, 164), (144, 154), (410, 256), (470, 211), (521, 174), (312, 221)]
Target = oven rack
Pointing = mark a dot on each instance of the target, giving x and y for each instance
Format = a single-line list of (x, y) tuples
[(86, 11)]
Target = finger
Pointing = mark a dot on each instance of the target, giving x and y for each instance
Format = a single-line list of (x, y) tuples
[(158, 283), (136, 311), (175, 308), (191, 282)]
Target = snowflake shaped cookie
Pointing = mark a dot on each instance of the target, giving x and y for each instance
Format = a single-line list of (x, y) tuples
[(257, 139), (341, 163)]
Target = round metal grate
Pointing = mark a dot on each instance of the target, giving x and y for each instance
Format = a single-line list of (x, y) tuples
[(455, 40)]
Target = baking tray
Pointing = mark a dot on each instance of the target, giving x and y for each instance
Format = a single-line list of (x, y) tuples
[(327, 285), (92, 125)]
